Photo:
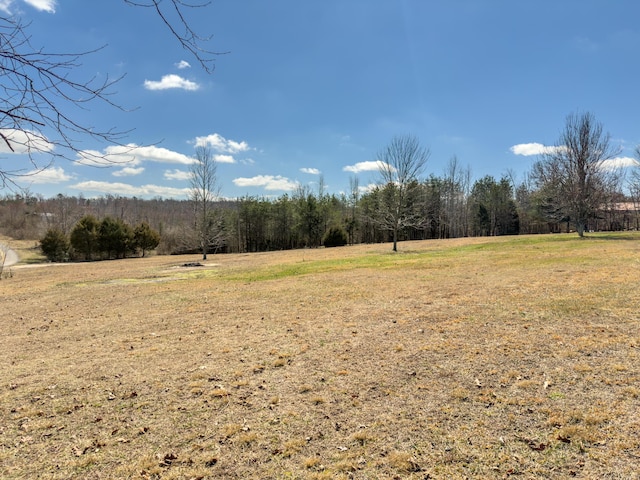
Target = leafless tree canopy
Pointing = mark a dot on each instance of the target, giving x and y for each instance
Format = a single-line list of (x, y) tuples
[(205, 189), (457, 188), (41, 92), (634, 182), (39, 96), (401, 163), (575, 173), (403, 160)]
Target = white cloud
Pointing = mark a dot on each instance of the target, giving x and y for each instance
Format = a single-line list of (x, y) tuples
[(43, 5), (224, 158), (49, 6), (269, 182), (367, 188), (311, 171), (23, 141), (131, 155), (171, 81), (128, 172), (221, 144), (530, 149), (619, 162), (370, 166), (127, 189), (177, 174), (182, 64), (46, 175)]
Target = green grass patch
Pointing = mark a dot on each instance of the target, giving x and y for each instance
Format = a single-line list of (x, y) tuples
[(561, 250), (275, 272)]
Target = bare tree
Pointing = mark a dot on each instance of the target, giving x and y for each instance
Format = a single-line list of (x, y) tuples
[(400, 164), (352, 202), (457, 188), (576, 175), (634, 189), (205, 190), (42, 94)]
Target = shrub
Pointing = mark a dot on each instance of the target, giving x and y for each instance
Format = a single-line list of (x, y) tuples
[(84, 237), (115, 238), (55, 245), (145, 238), (335, 237)]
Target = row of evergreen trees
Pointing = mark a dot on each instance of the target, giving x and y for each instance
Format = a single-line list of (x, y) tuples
[(91, 239)]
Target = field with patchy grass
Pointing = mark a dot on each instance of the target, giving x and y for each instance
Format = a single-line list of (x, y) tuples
[(469, 358)]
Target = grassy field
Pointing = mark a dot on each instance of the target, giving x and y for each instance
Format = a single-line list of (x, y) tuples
[(469, 358)]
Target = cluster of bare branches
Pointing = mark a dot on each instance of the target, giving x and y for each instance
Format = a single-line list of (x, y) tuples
[(205, 190), (576, 174), (41, 92), (401, 163), (172, 14)]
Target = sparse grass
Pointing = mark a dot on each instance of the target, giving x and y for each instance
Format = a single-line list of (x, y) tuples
[(476, 358)]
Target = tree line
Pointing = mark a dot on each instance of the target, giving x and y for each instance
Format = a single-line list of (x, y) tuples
[(574, 186)]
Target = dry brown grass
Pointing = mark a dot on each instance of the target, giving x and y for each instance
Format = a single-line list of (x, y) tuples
[(477, 358)]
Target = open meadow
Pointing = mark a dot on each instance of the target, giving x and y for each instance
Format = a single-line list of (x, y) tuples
[(467, 358)]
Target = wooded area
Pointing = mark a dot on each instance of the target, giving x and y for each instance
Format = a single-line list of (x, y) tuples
[(449, 207)]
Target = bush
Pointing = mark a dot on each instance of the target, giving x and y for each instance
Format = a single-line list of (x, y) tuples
[(115, 238), (84, 237), (335, 237), (145, 238), (55, 245)]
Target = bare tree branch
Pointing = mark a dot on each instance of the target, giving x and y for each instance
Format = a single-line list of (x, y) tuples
[(42, 93), (575, 175), (181, 28)]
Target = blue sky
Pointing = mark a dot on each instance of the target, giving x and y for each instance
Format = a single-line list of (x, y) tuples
[(316, 89)]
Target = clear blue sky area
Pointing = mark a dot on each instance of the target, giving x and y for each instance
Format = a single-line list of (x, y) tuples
[(314, 89)]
